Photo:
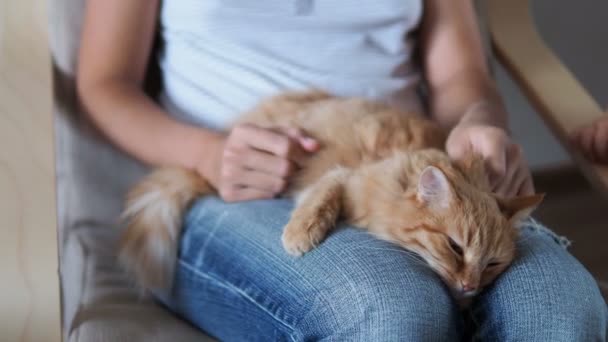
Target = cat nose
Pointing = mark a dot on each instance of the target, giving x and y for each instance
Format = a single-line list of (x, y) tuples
[(468, 289)]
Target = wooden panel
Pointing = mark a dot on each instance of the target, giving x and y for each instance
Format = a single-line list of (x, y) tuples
[(552, 89), (29, 291)]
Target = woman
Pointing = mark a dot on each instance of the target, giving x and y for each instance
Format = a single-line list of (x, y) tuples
[(233, 279)]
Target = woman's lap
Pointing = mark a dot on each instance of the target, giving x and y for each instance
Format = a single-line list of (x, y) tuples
[(235, 281), (546, 295)]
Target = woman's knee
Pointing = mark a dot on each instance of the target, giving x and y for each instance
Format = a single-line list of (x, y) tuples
[(573, 312), (382, 307), (546, 295)]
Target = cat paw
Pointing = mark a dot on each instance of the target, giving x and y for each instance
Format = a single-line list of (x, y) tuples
[(300, 238)]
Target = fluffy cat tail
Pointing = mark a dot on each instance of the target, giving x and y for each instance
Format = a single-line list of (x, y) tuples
[(153, 216)]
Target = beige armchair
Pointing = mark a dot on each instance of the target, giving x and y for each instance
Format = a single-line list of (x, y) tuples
[(98, 303)]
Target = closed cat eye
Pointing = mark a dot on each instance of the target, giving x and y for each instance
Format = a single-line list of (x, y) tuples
[(455, 247), (493, 264)]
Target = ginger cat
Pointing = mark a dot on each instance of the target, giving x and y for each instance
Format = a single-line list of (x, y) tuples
[(379, 169)]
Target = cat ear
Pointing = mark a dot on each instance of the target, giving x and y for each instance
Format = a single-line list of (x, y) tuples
[(434, 188), (519, 208)]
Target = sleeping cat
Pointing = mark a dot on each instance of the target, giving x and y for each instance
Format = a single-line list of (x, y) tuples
[(379, 169)]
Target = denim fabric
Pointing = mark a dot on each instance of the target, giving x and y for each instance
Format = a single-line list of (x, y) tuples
[(235, 281)]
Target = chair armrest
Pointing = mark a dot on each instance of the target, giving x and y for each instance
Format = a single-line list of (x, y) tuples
[(29, 290), (562, 102)]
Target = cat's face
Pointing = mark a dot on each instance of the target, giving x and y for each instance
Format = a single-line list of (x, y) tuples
[(467, 235)]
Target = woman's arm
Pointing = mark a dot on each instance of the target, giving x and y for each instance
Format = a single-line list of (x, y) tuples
[(247, 163), (116, 45), (463, 95), (455, 66)]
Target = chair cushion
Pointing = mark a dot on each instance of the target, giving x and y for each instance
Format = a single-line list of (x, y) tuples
[(104, 305)]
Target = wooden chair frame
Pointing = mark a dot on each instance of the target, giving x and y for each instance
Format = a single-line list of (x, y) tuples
[(30, 296)]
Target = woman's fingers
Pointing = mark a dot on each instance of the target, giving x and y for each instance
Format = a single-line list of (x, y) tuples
[(299, 145), (496, 165), (307, 143), (505, 184), (257, 162), (261, 139), (239, 176), (586, 142), (600, 142), (527, 187), (592, 141), (519, 177), (261, 161), (272, 141), (261, 181), (516, 171), (517, 180)]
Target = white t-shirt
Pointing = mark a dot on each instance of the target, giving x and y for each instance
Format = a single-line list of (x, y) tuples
[(221, 57)]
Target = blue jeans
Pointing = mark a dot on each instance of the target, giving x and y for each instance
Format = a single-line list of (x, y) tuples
[(235, 281)]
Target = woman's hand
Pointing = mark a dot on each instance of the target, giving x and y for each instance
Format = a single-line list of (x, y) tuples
[(256, 163), (592, 141), (507, 169)]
